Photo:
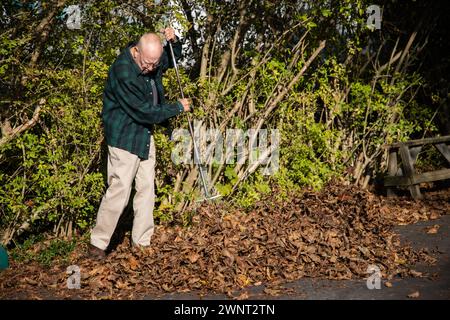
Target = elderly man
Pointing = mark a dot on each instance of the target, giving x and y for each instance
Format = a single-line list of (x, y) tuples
[(133, 101)]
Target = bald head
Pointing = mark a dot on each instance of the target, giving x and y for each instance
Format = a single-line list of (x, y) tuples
[(148, 52), (150, 43)]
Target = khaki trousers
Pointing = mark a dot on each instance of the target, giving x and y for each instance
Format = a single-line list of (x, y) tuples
[(123, 168)]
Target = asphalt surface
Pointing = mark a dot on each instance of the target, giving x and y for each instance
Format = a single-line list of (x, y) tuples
[(434, 285)]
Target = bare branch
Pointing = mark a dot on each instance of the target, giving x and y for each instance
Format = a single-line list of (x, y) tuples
[(30, 123), (274, 102), (43, 31)]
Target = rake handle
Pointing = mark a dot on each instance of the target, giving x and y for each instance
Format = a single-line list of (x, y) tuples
[(191, 130)]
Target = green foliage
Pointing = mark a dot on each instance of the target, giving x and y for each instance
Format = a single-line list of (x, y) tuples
[(53, 178), (430, 159), (339, 111), (308, 156), (45, 252), (252, 190)]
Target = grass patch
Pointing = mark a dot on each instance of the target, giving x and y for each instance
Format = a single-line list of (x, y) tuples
[(44, 251)]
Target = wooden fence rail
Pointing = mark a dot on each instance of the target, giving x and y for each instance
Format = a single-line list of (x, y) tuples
[(406, 175)]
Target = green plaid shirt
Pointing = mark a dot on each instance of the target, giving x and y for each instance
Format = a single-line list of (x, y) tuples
[(129, 110)]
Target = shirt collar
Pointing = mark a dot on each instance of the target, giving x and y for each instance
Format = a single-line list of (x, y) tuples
[(128, 55)]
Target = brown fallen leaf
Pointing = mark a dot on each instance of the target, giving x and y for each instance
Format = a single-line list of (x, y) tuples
[(272, 292), (121, 285), (166, 287), (243, 296), (434, 229), (414, 295), (228, 254), (333, 233), (133, 263), (193, 257), (434, 215), (30, 281), (415, 273)]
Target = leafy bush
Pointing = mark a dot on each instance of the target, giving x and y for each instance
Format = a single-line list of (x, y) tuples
[(335, 103)]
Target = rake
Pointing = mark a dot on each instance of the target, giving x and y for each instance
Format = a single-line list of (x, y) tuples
[(201, 167)]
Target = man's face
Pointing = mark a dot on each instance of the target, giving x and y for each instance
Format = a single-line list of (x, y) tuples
[(147, 58)]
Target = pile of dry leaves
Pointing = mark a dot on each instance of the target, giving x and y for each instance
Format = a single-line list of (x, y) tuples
[(334, 234)]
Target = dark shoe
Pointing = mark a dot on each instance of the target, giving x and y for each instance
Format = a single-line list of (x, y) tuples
[(96, 253)]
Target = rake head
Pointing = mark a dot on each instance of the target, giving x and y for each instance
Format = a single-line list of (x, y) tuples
[(209, 198)]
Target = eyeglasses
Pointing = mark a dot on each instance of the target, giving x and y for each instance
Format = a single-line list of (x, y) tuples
[(150, 64)]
